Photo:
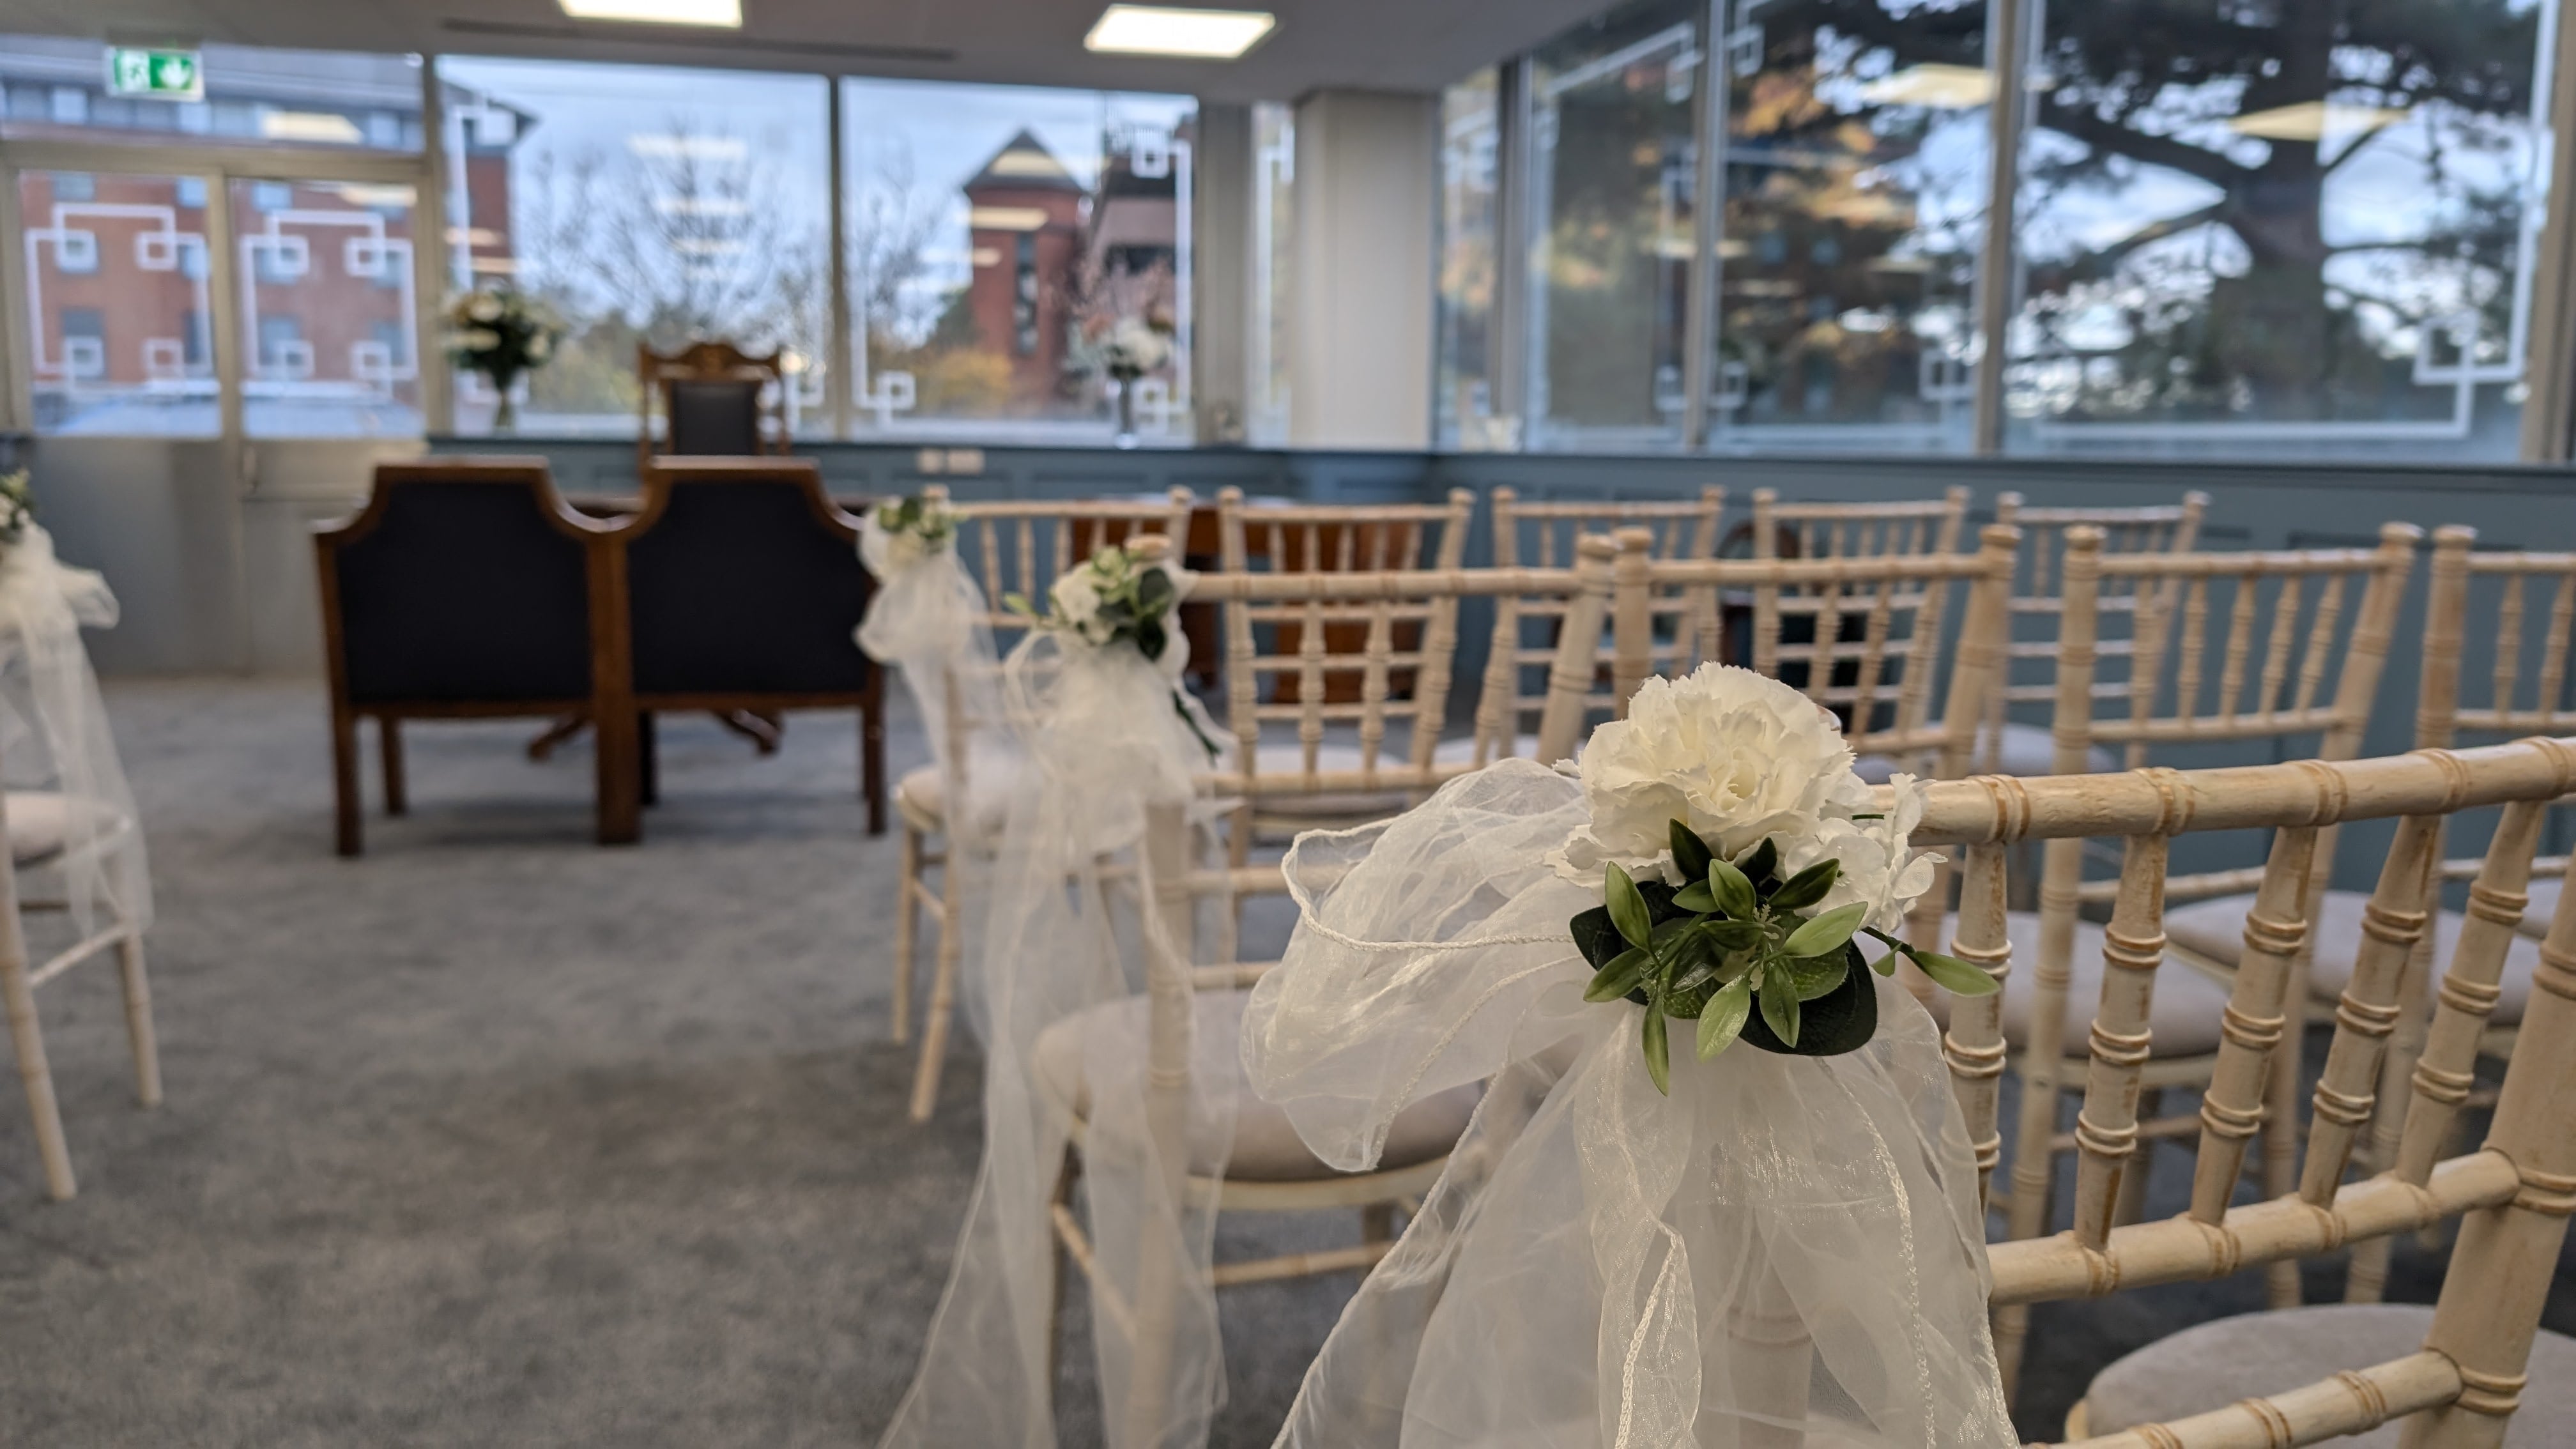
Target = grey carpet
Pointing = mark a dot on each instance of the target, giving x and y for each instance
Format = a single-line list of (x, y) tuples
[(494, 1137)]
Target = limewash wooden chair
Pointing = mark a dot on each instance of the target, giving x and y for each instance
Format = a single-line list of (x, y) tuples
[(1268, 1169), (1527, 631), (1010, 547), (2298, 1376)]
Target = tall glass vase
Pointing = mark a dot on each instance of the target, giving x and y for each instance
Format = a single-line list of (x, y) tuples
[(1122, 396), (505, 418)]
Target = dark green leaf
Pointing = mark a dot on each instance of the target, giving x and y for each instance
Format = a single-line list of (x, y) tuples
[(1954, 975), (1733, 892), (1840, 1021), (1779, 997), (1764, 860), (1620, 977), (1690, 853), (1594, 936), (1153, 591), (1722, 1020), (1659, 1062), (1732, 935), (1695, 898), (1806, 887), (1150, 638), (1825, 933), (1627, 908), (1818, 975)]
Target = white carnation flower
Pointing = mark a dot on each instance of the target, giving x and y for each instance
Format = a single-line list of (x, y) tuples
[(1077, 600), (539, 346), (1877, 869), (1735, 756), (484, 307), (482, 339)]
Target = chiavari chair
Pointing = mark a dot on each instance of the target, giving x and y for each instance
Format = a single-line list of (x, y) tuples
[(2297, 1375), (1543, 535), (1014, 547), (1268, 1168), (2315, 613), (2012, 747)]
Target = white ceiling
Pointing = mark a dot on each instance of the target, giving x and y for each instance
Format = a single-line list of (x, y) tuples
[(1405, 45)]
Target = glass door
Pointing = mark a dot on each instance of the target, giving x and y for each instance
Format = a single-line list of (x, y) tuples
[(118, 304), (330, 321)]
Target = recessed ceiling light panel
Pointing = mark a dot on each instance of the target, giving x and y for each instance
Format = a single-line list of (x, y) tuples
[(1161, 30), (726, 13)]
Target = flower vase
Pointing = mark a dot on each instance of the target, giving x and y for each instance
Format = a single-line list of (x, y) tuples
[(505, 418), (1122, 393)]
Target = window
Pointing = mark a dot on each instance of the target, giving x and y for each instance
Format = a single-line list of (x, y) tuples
[(997, 235), (1610, 216), (1856, 179), (116, 297), (57, 88), (1470, 137), (329, 309), (2301, 227), (648, 205)]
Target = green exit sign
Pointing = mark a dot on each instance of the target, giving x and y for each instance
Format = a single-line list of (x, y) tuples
[(167, 75)]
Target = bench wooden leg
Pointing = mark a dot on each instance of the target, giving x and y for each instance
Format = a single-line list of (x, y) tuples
[(345, 800), (872, 763)]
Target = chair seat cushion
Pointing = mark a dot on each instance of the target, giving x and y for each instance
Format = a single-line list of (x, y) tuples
[(2215, 930), (2026, 750), (2253, 1355), (922, 796), (1265, 1147), (42, 822), (2184, 1020)]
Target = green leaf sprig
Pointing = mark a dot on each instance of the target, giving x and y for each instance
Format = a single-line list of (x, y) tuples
[(917, 516), (1736, 950), (17, 506)]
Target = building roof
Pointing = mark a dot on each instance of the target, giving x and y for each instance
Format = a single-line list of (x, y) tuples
[(1025, 164)]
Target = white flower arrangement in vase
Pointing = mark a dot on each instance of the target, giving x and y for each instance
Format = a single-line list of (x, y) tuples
[(501, 332), (1740, 860)]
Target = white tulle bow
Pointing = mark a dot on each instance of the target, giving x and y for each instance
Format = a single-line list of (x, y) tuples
[(1785, 1246)]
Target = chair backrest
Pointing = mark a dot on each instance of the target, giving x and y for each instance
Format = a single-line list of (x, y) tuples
[(1372, 605), (1022, 546), (2320, 619), (463, 582), (715, 399), (1867, 641), (2039, 587), (2512, 1196), (1317, 662), (1856, 530), (742, 579), (1526, 630)]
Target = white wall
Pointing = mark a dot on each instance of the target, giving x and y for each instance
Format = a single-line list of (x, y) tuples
[(1368, 178)]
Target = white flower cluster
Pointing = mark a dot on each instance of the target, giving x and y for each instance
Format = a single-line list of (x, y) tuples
[(1740, 758), (1076, 598), (1135, 348), (503, 326)]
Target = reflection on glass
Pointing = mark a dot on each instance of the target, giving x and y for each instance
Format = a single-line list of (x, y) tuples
[(997, 237), (56, 88), (2298, 225), (1470, 137), (327, 320), (119, 304), (1855, 191), (1612, 162), (1274, 232), (647, 205)]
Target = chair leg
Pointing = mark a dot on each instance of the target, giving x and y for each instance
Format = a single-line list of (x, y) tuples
[(19, 997), (1057, 1264), (872, 762), (907, 929), (345, 801), (389, 745), (2281, 1140), (943, 997), (138, 1022)]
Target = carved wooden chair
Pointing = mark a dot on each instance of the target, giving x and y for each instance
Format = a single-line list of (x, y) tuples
[(1268, 1168), (713, 400), (464, 589), (2321, 619), (2016, 747), (1010, 547), (1543, 535), (2298, 1375)]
